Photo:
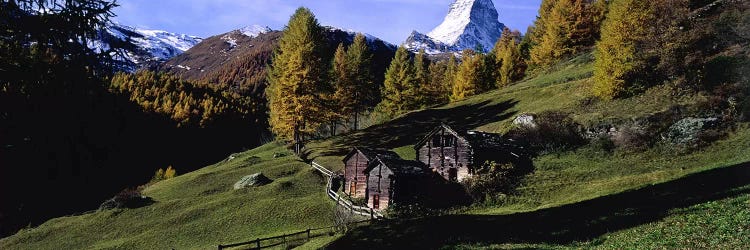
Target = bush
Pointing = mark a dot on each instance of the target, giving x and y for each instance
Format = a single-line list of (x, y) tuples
[(745, 111), (161, 174), (170, 173), (492, 180), (158, 176), (603, 144), (128, 198), (411, 210), (554, 131), (632, 138)]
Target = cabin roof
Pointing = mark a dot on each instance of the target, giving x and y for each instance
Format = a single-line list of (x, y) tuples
[(427, 137), (477, 140), (370, 153), (399, 166)]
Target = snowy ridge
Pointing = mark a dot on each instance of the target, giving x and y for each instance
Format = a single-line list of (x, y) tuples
[(150, 45), (254, 30), (251, 31), (469, 24), (370, 38), (418, 41)]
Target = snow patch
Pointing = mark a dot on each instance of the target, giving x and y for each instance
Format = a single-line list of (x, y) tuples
[(231, 41), (254, 30), (469, 23)]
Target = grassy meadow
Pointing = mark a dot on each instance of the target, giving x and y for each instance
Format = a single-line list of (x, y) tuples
[(199, 210)]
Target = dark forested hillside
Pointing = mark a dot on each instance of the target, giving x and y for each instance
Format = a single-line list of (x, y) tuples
[(67, 142), (236, 63)]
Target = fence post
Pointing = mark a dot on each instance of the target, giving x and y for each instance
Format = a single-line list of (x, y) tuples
[(257, 243), (221, 247), (308, 234)]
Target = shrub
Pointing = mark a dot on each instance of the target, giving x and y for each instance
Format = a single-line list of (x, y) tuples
[(632, 138), (492, 180), (162, 174), (745, 111), (158, 175), (170, 173), (603, 144), (127, 198), (554, 131), (411, 210)]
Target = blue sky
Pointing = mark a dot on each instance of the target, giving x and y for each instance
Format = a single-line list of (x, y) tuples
[(391, 20)]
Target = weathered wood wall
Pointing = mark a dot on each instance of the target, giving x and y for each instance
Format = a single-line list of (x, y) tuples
[(441, 157), (354, 174), (380, 182)]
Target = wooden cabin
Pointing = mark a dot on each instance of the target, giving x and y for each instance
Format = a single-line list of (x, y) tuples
[(355, 163), (392, 180), (456, 155)]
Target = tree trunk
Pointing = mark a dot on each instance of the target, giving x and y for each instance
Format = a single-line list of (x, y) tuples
[(297, 140), (333, 128), (356, 120)]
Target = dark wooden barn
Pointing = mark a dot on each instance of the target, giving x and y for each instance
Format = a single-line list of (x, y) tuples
[(392, 180), (455, 155), (355, 163)]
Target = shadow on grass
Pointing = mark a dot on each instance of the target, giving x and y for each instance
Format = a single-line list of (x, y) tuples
[(410, 128), (560, 225)]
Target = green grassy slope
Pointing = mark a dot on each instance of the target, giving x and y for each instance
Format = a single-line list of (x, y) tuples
[(564, 177), (565, 87), (718, 224), (705, 210), (199, 210)]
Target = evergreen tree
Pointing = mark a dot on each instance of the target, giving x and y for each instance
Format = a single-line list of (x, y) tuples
[(399, 89), (488, 72), (451, 68), (511, 66), (565, 29), (539, 26), (365, 94), (422, 78), (628, 54), (469, 77), (437, 91), (344, 98), (297, 79), (616, 52)]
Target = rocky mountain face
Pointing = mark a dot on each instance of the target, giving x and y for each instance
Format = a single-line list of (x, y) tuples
[(238, 59), (146, 47), (468, 25), (225, 52)]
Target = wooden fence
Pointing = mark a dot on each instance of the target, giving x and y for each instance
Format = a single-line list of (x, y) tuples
[(306, 235), (292, 239), (359, 210)]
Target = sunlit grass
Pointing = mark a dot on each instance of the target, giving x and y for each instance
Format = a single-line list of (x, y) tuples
[(199, 210)]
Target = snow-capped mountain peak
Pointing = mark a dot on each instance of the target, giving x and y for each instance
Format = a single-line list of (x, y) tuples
[(469, 23), (254, 30), (150, 45)]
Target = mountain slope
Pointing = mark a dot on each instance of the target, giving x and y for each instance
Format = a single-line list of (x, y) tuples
[(238, 59), (199, 210), (572, 178), (150, 46), (468, 25), (192, 208)]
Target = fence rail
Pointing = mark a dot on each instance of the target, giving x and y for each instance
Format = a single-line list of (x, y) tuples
[(322, 169), (359, 210), (286, 238)]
